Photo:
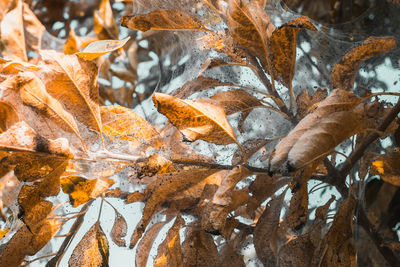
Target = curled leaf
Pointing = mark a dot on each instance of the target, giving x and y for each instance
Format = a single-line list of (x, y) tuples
[(163, 19), (102, 47), (344, 72), (119, 229)]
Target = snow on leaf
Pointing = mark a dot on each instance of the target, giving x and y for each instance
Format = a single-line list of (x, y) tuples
[(99, 48), (163, 19), (119, 229), (92, 250), (345, 71)]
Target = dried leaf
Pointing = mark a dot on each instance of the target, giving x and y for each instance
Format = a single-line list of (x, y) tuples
[(127, 125), (169, 252), (344, 72), (251, 27), (119, 229), (92, 250), (75, 43), (234, 101), (387, 167), (297, 252), (146, 243), (33, 93), (336, 247), (8, 116), (163, 19), (162, 190), (264, 230), (321, 211), (306, 103), (199, 84), (338, 105), (198, 248), (214, 213), (34, 29), (102, 47), (283, 48), (229, 257), (104, 23), (250, 147), (12, 34), (81, 190), (196, 119), (74, 82)]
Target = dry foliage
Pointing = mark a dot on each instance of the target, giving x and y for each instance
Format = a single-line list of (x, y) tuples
[(68, 131)]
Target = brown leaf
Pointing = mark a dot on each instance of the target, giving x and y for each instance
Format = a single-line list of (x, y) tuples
[(198, 248), (33, 93), (234, 101), (336, 247), (344, 72), (81, 190), (22, 137), (229, 257), (119, 229), (339, 105), (387, 167), (102, 47), (92, 250), (297, 252), (163, 19), (264, 231), (169, 252), (12, 34), (74, 82), (214, 212), (196, 119), (321, 211), (127, 125), (251, 27), (104, 23), (34, 29), (8, 116), (162, 189), (146, 243), (75, 43), (283, 48), (212, 63), (306, 103), (250, 147)]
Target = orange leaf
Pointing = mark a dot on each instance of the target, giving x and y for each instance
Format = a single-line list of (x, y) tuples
[(163, 19), (102, 47)]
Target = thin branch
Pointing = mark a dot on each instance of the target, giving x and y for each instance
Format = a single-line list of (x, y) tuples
[(54, 262)]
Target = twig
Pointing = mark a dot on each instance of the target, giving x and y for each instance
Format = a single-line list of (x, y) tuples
[(215, 165), (74, 229)]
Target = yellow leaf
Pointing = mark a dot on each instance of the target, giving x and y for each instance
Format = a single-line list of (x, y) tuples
[(3, 232), (387, 167), (99, 48)]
